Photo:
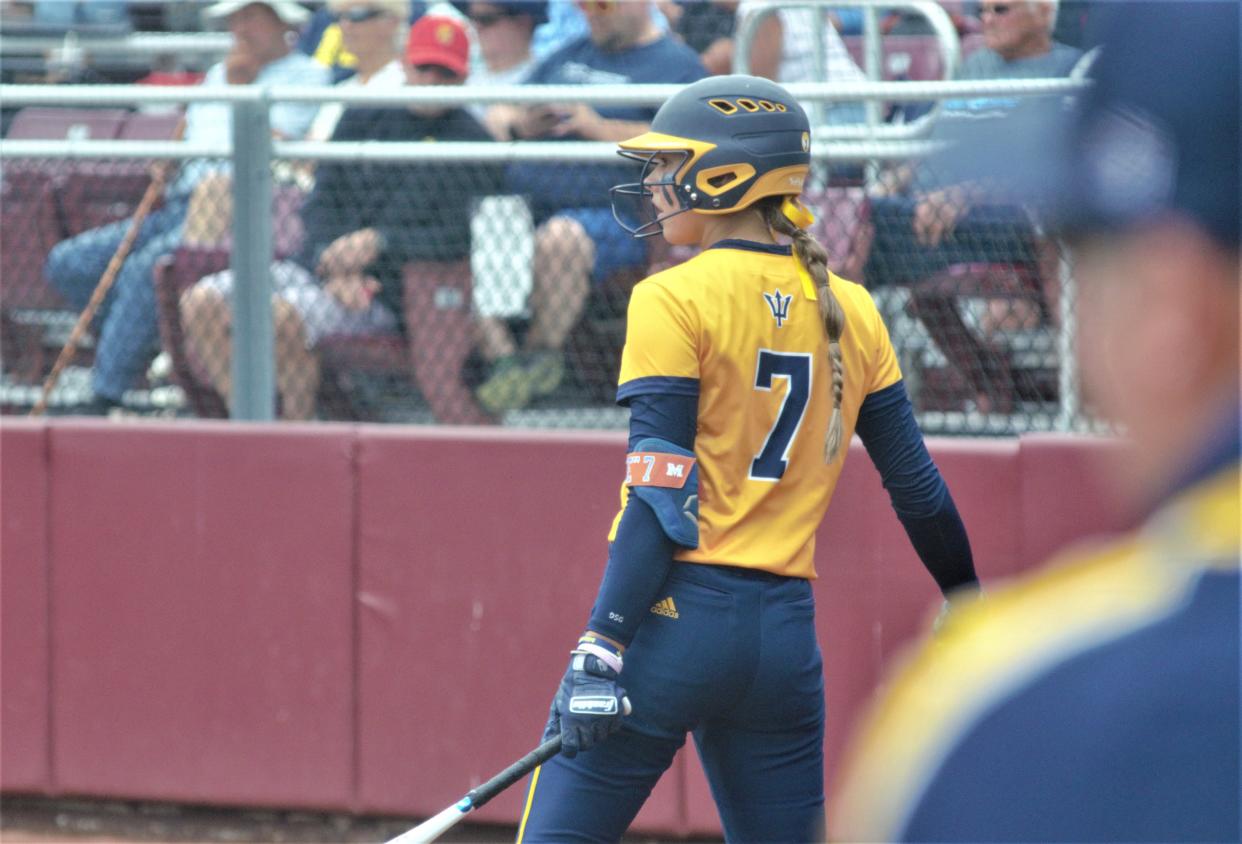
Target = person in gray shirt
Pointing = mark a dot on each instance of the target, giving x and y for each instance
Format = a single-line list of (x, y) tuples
[(926, 218)]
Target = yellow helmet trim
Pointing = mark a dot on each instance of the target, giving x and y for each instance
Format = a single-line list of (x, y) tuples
[(784, 181), (659, 142), (740, 172)]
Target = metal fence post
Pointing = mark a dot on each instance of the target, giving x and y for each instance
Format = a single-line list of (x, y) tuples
[(254, 371), (1069, 415)]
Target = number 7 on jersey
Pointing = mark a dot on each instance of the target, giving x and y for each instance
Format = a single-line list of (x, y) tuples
[(769, 464)]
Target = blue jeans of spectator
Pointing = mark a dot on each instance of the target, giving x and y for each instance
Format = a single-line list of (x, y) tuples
[(615, 248), (127, 325), (991, 234)]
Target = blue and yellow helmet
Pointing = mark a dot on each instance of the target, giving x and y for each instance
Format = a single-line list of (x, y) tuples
[(740, 138)]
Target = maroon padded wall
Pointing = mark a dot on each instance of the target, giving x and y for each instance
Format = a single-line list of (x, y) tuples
[(373, 618), (478, 552), (24, 657), (202, 621)]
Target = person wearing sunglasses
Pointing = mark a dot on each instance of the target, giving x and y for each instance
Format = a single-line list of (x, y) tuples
[(373, 33), (323, 38), (504, 31), (927, 219), (577, 243)]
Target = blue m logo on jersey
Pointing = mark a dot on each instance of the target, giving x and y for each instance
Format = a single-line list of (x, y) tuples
[(779, 305)]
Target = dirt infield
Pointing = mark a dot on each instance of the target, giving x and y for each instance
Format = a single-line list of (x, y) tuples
[(41, 820), (31, 820)]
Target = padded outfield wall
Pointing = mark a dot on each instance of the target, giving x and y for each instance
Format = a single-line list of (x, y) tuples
[(371, 618)]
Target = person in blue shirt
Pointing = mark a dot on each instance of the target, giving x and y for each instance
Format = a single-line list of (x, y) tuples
[(1098, 699), (577, 242)]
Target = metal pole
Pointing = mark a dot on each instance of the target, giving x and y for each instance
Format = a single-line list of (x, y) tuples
[(1070, 412), (254, 371)]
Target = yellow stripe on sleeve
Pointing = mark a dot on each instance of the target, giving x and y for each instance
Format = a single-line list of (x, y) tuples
[(993, 647)]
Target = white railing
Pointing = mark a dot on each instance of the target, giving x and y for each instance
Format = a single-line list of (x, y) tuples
[(252, 149)]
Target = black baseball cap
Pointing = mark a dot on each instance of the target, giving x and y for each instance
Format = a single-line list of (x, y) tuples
[(1155, 135)]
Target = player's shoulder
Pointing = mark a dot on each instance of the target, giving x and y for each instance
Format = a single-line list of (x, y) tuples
[(683, 277), (855, 299)]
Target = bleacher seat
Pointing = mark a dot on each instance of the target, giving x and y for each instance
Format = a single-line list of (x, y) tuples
[(46, 123), (32, 313), (150, 126), (173, 275), (93, 193)]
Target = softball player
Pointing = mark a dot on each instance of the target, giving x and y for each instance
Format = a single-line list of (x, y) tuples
[(746, 370)]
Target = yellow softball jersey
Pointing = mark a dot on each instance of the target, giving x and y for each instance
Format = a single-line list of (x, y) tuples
[(739, 325)]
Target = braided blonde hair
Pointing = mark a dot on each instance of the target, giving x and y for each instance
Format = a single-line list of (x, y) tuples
[(814, 259)]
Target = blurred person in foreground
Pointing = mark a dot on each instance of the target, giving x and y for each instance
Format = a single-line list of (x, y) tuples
[(263, 33), (1098, 699), (364, 221)]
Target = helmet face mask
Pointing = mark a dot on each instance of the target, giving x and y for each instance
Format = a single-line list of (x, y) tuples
[(739, 138), (633, 205)]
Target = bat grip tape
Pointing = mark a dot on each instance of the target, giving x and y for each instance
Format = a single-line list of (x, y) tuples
[(485, 792)]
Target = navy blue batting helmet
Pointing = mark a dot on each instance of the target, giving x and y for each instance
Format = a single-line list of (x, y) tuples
[(740, 138)]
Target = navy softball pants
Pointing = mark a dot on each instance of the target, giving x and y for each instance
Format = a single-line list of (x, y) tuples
[(730, 656)]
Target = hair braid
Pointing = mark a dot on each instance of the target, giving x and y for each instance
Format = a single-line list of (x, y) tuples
[(814, 259)]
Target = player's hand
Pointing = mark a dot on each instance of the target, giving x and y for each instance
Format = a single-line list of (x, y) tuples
[(588, 706), (953, 604)]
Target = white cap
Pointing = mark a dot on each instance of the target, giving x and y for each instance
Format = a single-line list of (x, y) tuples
[(287, 10)]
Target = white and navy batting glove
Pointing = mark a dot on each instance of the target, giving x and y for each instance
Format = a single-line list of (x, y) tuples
[(589, 704)]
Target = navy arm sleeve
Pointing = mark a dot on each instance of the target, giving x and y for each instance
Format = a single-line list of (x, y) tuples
[(641, 554), (888, 430)]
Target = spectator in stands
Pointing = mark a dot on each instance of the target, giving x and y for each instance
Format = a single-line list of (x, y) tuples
[(263, 31), (323, 39), (504, 31), (566, 22), (927, 218), (373, 32), (707, 28), (364, 221), (784, 51), (577, 242)]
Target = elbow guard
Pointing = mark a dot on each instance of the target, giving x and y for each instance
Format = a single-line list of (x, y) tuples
[(666, 477)]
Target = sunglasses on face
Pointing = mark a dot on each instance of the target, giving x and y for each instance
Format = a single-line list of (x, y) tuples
[(483, 21), (359, 14), (438, 71), (998, 9)]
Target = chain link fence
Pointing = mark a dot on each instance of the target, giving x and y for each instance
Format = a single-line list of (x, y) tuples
[(426, 282)]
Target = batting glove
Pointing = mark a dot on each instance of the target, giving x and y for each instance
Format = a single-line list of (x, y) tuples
[(589, 704)]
